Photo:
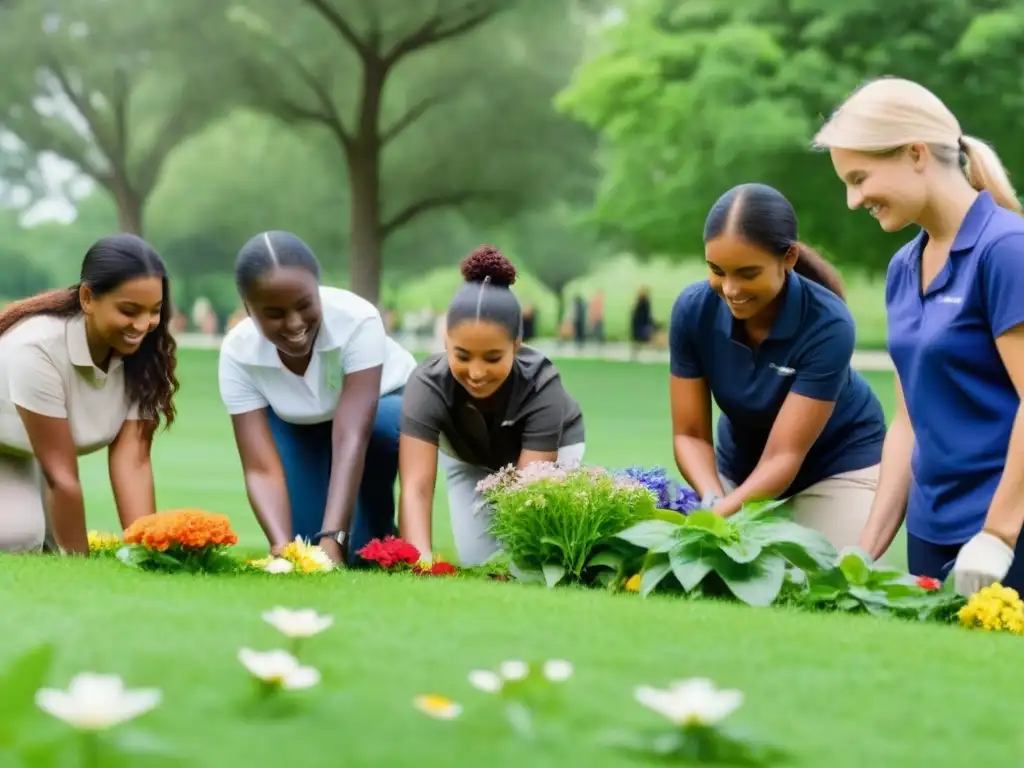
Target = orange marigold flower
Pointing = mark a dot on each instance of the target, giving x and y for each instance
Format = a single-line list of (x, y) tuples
[(185, 528)]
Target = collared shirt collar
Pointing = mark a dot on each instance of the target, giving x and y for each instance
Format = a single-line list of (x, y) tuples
[(974, 222), (786, 324), (79, 354)]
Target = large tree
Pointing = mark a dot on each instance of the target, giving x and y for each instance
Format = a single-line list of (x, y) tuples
[(433, 106), (692, 98), (111, 87)]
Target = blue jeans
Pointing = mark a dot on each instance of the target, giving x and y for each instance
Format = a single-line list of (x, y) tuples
[(306, 453), (936, 560)]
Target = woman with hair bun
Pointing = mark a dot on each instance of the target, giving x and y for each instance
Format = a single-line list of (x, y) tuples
[(486, 402), (769, 337), (313, 385), (953, 464), (82, 369)]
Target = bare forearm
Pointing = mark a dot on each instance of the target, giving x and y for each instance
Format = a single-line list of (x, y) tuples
[(415, 507), (67, 518), (769, 480), (268, 496), (346, 472), (1006, 511), (695, 459), (134, 491), (890, 503)]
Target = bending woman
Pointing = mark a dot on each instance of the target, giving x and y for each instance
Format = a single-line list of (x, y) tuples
[(769, 337), (81, 369), (484, 403), (954, 458), (314, 389)]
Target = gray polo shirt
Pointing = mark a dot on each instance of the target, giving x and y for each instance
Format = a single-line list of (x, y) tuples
[(531, 411)]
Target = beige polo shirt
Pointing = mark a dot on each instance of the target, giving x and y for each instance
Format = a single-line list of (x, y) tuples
[(46, 368)]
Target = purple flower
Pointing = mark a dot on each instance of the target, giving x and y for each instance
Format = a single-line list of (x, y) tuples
[(668, 493)]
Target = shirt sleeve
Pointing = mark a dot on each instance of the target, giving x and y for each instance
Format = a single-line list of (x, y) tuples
[(823, 370), (542, 424), (365, 347), (237, 389), (422, 411), (35, 382), (1002, 283), (684, 360)]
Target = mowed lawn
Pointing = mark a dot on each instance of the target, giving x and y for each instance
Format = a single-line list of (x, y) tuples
[(833, 690)]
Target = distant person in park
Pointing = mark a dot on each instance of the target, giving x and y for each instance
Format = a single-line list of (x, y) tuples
[(314, 386), (954, 458), (483, 404), (769, 337), (82, 369)]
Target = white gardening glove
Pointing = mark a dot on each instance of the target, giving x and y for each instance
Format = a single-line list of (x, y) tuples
[(982, 561)]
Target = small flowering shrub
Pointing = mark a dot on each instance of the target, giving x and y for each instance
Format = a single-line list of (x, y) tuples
[(553, 520), (994, 608), (104, 544), (181, 540), (668, 493)]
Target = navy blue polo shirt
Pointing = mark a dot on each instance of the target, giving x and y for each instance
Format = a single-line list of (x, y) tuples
[(961, 401), (808, 352)]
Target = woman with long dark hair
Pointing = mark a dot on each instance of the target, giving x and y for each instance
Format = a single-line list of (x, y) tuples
[(769, 336), (81, 369)]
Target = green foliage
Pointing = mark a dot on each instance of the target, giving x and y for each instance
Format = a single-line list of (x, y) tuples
[(179, 559), (692, 98), (857, 585), (553, 521), (748, 553)]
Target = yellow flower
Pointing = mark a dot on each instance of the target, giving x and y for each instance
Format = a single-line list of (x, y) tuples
[(103, 542), (994, 608), (438, 707), (305, 557), (633, 583)]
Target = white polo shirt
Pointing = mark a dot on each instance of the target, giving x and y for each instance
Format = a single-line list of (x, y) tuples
[(351, 338)]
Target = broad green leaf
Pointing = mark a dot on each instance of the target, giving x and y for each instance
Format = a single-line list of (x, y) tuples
[(653, 575), (649, 533), (802, 546), (704, 520), (855, 569), (668, 516), (745, 550), (528, 575), (756, 584), (819, 593), (553, 573), (689, 567), (606, 559), (755, 510)]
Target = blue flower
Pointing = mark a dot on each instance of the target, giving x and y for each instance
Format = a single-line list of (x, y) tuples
[(670, 495)]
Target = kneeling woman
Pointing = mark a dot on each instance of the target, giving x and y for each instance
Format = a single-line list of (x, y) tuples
[(314, 389), (769, 337), (81, 369), (484, 403)]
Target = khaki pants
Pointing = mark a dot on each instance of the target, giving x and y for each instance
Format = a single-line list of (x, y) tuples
[(22, 516), (837, 507), (470, 516)]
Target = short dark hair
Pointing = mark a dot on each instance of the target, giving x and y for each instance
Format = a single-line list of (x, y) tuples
[(268, 251), (762, 216)]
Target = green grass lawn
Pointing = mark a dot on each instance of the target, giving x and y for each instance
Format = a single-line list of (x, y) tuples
[(834, 690)]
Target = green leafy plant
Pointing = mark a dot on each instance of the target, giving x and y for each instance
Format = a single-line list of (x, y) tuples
[(553, 520), (857, 585), (745, 556)]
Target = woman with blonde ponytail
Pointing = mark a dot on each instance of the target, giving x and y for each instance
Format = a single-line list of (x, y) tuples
[(953, 462)]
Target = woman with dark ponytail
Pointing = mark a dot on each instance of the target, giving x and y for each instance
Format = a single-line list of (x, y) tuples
[(81, 369), (769, 337), (486, 402)]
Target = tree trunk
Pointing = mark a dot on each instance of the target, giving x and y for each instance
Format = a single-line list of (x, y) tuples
[(364, 225), (129, 207)]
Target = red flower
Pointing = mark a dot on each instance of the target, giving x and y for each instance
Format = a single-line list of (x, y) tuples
[(929, 583), (439, 568), (390, 552)]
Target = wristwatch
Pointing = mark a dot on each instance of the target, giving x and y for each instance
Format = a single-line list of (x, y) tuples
[(338, 536)]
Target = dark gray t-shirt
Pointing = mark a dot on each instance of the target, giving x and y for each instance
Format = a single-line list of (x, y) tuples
[(530, 411)]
